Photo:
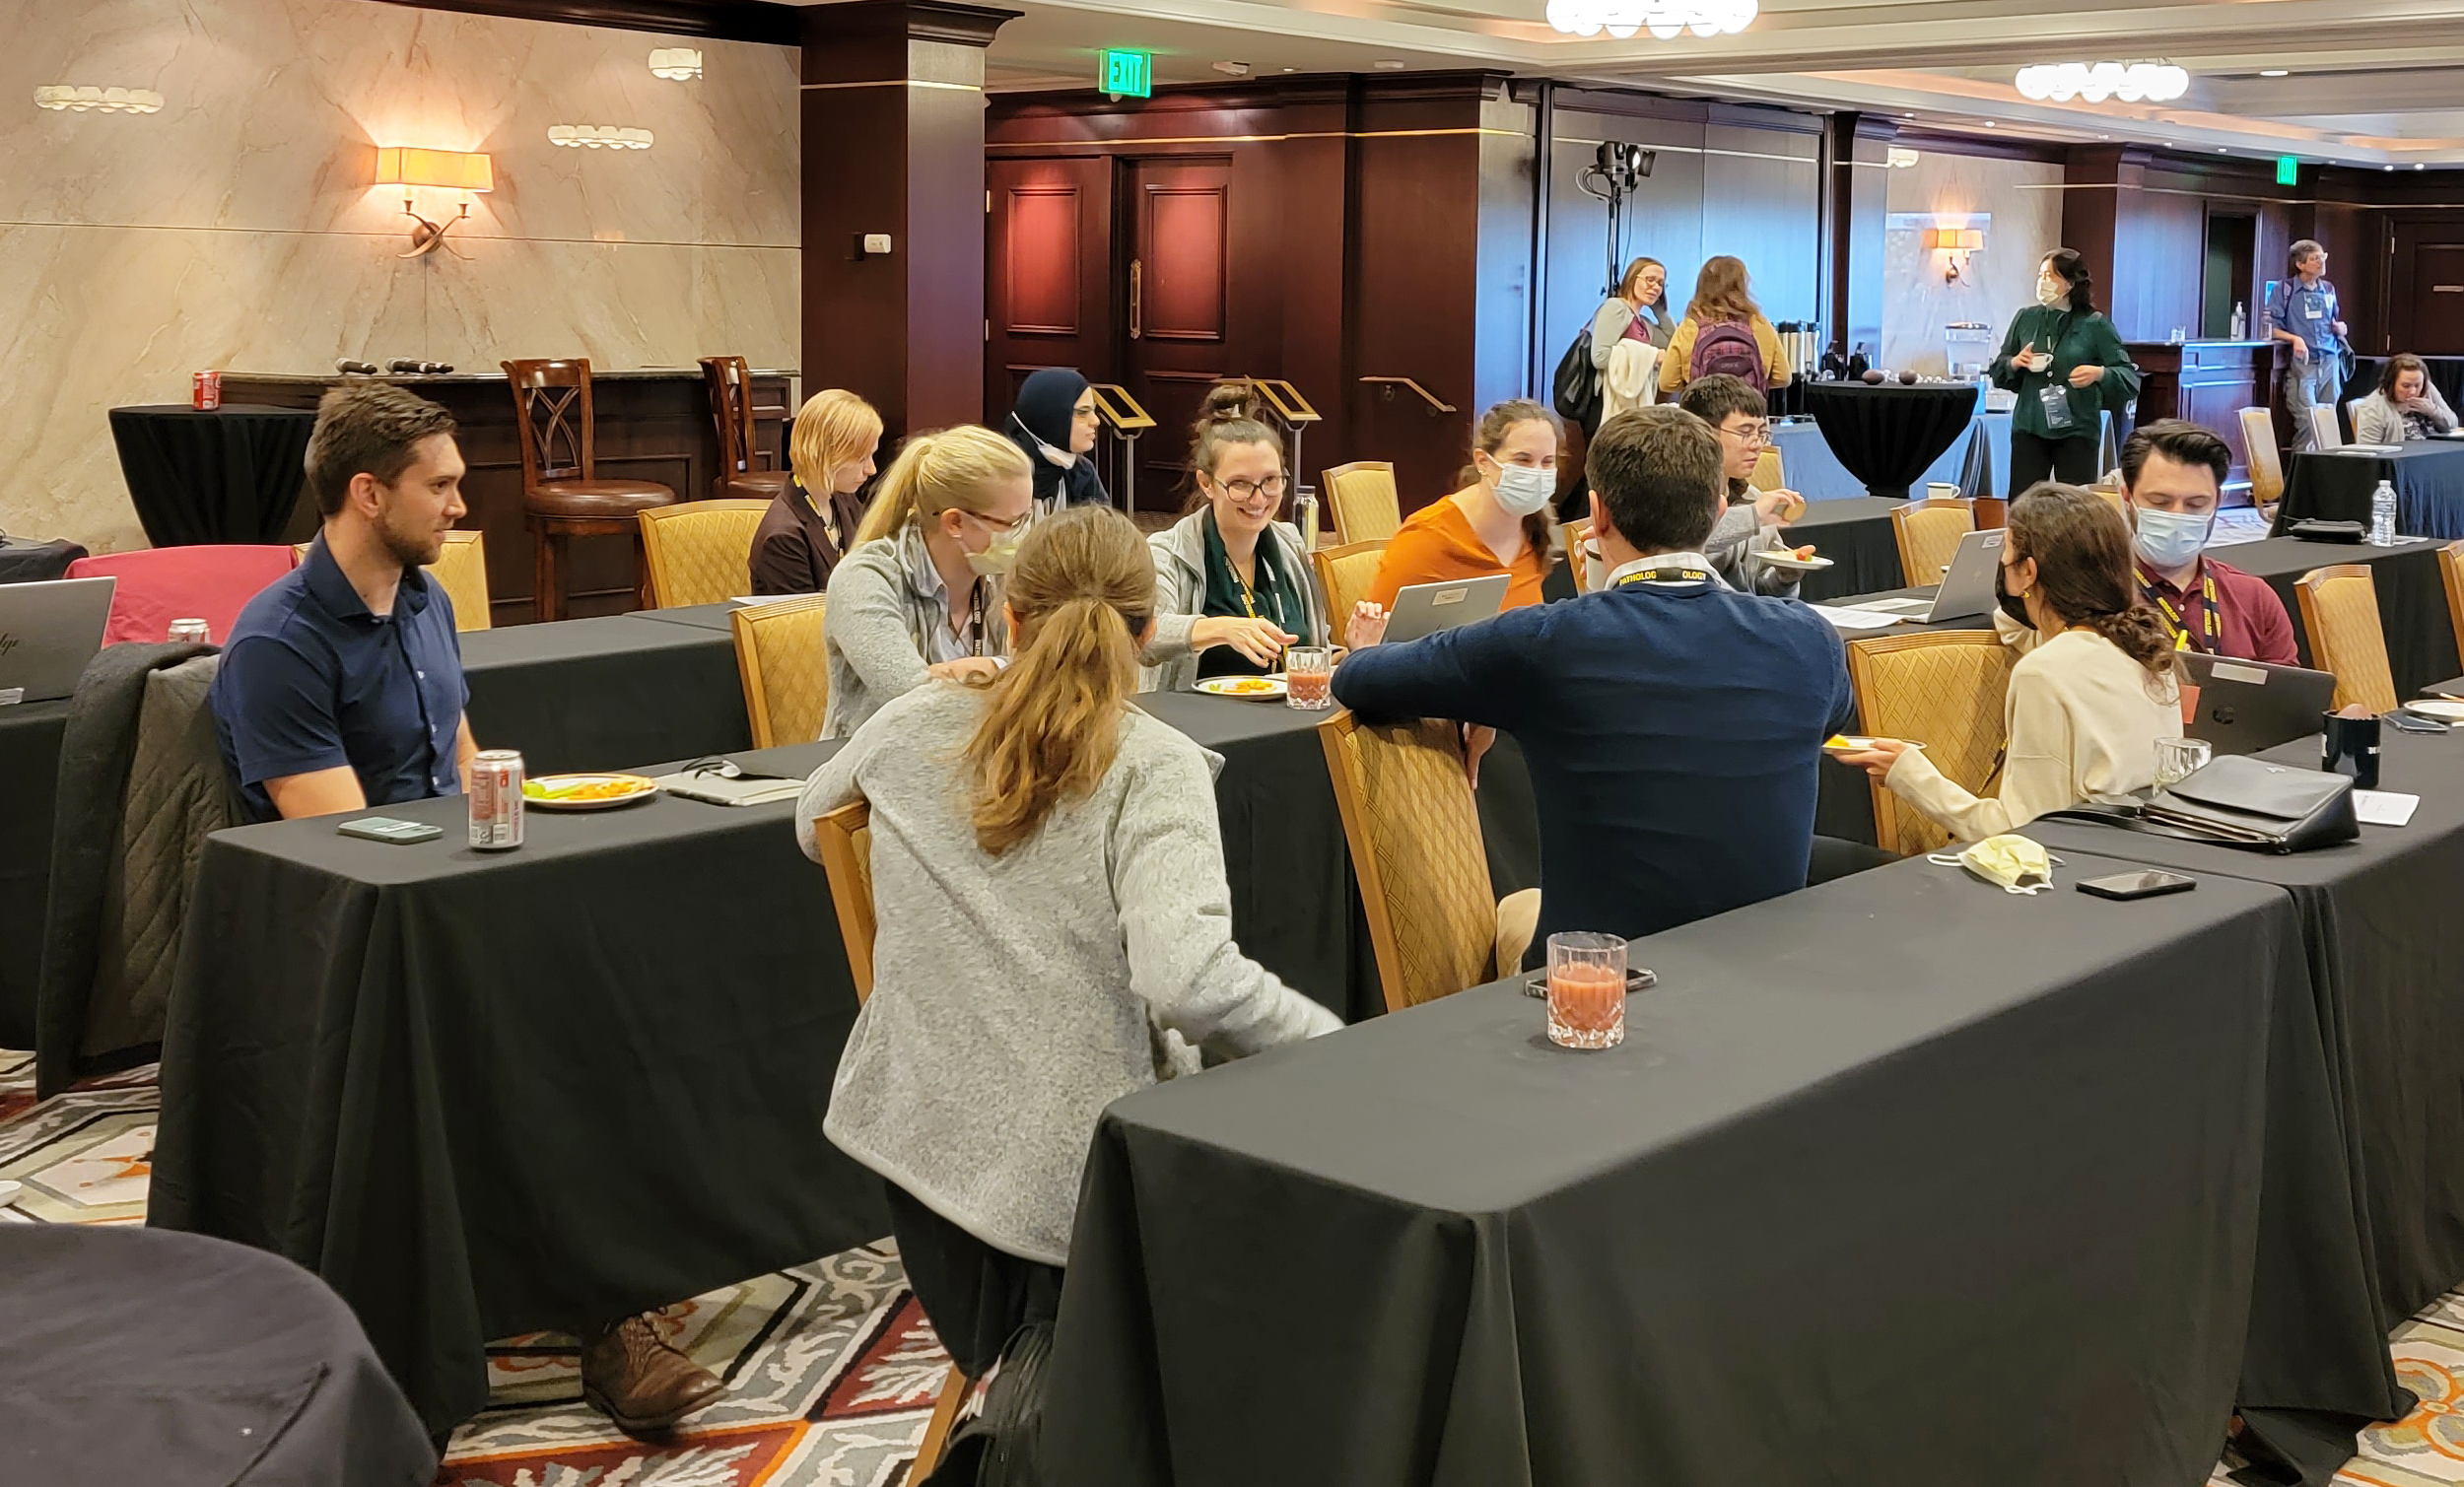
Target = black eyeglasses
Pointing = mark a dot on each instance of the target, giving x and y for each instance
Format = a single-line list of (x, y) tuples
[(1245, 491)]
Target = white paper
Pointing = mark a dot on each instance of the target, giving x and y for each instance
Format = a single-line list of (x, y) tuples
[(1855, 619), (2384, 807), (1890, 606)]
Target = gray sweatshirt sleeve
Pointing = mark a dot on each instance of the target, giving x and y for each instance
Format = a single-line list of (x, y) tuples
[(867, 619), (1171, 640), (1731, 549), (1609, 325), (1175, 916)]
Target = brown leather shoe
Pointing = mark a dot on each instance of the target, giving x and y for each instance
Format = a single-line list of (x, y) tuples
[(637, 1378)]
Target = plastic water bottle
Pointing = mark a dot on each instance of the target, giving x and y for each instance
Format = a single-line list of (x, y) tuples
[(2383, 516), (2241, 322)]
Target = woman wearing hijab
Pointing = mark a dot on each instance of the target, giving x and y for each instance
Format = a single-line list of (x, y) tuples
[(1055, 423)]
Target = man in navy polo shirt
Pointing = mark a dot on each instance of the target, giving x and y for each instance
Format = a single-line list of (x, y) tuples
[(341, 688), (1674, 726)]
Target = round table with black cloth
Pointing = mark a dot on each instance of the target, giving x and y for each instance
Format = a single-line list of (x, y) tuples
[(2337, 485), (231, 475), (1889, 435), (174, 1359)]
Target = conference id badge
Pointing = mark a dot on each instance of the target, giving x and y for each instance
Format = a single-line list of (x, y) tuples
[(2057, 404)]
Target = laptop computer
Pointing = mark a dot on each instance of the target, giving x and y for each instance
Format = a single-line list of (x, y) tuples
[(48, 632), (1966, 587), (1424, 609), (2246, 706)]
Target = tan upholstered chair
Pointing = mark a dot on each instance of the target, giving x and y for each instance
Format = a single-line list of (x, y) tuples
[(2451, 572), (1929, 533), (1570, 538), (1344, 576), (1414, 832), (844, 837), (2340, 613), (730, 385), (2114, 496), (1770, 471), (1362, 495), (462, 570), (2325, 432), (2267, 463), (700, 552), (787, 680), (1943, 689)]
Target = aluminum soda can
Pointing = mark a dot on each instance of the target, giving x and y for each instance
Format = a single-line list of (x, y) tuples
[(206, 391), (195, 632), (496, 801)]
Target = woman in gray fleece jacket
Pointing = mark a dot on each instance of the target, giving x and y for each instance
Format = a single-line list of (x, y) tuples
[(1048, 876)]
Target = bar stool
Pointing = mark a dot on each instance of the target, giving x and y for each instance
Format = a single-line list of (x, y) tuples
[(563, 497), (731, 411)]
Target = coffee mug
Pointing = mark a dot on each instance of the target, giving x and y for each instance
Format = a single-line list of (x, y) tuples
[(2350, 746), (1940, 489)]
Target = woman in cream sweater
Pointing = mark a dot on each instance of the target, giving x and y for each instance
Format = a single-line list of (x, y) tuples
[(2090, 698)]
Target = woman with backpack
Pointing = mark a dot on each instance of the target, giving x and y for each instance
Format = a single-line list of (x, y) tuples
[(1724, 331)]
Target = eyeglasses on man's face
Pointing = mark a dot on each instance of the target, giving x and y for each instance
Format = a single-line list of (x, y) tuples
[(1751, 434)]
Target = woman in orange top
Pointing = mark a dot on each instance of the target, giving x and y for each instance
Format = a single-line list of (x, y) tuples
[(1499, 523)]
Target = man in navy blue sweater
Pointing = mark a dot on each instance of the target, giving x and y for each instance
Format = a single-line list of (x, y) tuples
[(1673, 725)]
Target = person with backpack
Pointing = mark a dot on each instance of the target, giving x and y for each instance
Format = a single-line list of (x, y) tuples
[(1724, 335), (1621, 346)]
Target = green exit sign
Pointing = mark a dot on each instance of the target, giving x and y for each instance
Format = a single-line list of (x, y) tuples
[(2287, 170), (1130, 74)]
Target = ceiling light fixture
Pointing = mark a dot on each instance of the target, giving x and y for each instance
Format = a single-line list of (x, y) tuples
[(2275, 72), (599, 137), (2061, 82), (1664, 19), (1388, 64), (1232, 69), (677, 64), (99, 100)]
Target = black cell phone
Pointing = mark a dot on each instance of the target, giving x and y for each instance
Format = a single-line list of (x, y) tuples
[(2137, 885), (1637, 978), (386, 829)]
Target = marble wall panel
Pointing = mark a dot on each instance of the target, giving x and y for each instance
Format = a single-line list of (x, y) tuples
[(2024, 201)]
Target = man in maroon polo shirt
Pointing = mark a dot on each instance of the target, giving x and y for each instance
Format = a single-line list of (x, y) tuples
[(2175, 471)]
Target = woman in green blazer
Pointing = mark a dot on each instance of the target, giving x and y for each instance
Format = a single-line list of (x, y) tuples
[(2067, 365)]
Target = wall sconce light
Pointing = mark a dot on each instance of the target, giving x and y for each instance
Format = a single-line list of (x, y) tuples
[(453, 170), (677, 64), (1900, 158), (1955, 242), (99, 100), (599, 137)]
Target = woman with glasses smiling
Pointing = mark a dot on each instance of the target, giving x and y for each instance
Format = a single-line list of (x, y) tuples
[(1239, 574)]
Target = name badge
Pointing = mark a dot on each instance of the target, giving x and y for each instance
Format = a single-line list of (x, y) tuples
[(2057, 405)]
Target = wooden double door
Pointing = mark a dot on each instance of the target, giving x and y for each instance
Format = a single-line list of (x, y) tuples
[(1121, 269)]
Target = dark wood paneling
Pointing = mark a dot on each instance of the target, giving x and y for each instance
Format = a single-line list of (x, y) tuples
[(1048, 275), (2206, 382), (1045, 262), (2426, 284), (1180, 342)]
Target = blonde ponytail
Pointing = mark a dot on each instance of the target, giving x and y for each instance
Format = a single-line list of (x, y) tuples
[(934, 472), (1084, 590)]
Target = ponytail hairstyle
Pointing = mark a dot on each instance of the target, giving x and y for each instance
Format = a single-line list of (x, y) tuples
[(1082, 593), (933, 472), (1539, 529), (2072, 269), (1231, 415), (2082, 549), (833, 429)]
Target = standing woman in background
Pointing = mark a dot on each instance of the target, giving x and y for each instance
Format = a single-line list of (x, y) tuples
[(812, 523), (2067, 366), (1055, 424), (1724, 333)]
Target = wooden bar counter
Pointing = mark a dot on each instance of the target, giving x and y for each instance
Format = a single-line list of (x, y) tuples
[(2207, 382), (652, 424)]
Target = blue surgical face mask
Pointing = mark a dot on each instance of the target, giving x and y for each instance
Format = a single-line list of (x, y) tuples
[(1525, 489), (2170, 539)]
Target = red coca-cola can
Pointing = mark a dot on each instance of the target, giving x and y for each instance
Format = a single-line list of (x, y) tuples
[(207, 390), (496, 801)]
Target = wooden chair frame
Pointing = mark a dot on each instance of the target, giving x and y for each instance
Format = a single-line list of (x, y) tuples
[(748, 661), (2265, 461), (653, 551), (1899, 515), (2307, 591), (1862, 655), (2451, 577)]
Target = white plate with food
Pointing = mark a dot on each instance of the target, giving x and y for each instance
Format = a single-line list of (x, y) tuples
[(1253, 688), (586, 792), (1799, 561)]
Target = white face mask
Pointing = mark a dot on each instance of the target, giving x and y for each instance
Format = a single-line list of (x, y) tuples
[(2170, 539), (1060, 459), (1525, 489), (2051, 291)]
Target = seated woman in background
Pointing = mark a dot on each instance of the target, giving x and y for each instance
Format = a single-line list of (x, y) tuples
[(2088, 703), (1742, 417), (1725, 331), (812, 523), (1497, 524), (1055, 423), (1241, 573), (2405, 407), (1048, 872)]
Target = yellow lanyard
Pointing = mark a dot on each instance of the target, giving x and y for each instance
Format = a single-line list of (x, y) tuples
[(2210, 622)]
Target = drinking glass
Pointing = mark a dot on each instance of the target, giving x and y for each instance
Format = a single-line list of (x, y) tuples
[(1309, 677), (1586, 990), (2177, 758)]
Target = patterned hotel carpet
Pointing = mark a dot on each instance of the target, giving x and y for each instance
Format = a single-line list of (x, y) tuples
[(830, 1369)]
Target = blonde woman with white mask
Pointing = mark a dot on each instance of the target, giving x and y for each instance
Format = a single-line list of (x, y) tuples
[(1497, 524)]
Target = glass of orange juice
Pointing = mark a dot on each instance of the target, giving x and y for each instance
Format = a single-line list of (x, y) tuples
[(1309, 677), (1586, 990)]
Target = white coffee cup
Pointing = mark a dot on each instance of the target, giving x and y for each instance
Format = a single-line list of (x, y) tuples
[(1940, 489)]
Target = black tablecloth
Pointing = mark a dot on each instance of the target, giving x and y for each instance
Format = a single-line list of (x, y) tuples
[(2412, 598), (1900, 1180), (1855, 534), (178, 1361), (23, 560), (231, 475), (29, 767), (606, 693), (1887, 435), (2427, 474)]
